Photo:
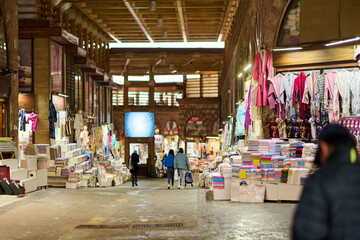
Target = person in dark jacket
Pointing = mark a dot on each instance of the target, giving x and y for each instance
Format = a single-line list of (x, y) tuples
[(330, 203), (169, 163), (134, 167)]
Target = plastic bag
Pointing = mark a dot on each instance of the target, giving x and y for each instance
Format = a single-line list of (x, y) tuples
[(176, 175)]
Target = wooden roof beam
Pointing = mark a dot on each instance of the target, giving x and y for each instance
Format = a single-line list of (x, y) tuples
[(181, 17), (128, 5)]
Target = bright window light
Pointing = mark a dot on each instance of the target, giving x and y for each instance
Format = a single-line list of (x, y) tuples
[(144, 78), (193, 76), (118, 79), (169, 78), (169, 45)]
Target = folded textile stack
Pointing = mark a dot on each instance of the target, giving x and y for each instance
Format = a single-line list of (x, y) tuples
[(307, 150), (253, 145), (236, 159), (299, 149), (309, 162), (255, 174), (244, 171), (61, 162), (264, 174), (294, 162), (277, 175), (292, 148), (271, 175), (266, 159), (235, 170), (278, 161), (314, 150), (256, 159), (264, 145), (301, 163), (285, 150), (246, 158), (284, 175), (217, 181), (74, 177), (66, 171), (304, 175), (275, 145), (287, 163)]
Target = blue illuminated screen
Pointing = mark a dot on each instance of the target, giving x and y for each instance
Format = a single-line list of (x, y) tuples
[(139, 124)]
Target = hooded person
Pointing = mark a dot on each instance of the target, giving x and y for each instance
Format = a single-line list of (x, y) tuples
[(134, 167), (330, 203), (169, 164)]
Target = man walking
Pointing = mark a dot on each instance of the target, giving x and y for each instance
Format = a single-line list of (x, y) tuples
[(181, 163)]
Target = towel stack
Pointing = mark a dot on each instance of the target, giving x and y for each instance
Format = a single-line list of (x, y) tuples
[(287, 163), (278, 161), (264, 174), (255, 174), (255, 158), (235, 170), (284, 175), (304, 175), (236, 159), (271, 175), (266, 160), (246, 158), (285, 150), (307, 150), (264, 145), (299, 150), (217, 181), (253, 145), (277, 175), (275, 145)]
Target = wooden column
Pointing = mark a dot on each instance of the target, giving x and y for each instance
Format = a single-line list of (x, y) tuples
[(184, 85), (90, 45), (126, 91), (151, 90), (42, 88), (9, 12)]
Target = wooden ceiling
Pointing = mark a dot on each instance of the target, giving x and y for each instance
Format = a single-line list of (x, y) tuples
[(183, 20), (165, 61)]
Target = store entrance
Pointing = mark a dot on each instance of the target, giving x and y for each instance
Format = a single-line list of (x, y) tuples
[(143, 150)]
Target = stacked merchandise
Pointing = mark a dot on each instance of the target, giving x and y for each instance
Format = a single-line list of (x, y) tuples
[(277, 175), (275, 145), (255, 174), (266, 159), (278, 161), (255, 159), (285, 150), (253, 145), (246, 158), (217, 181), (299, 150), (307, 150), (235, 170), (264, 145), (236, 159), (292, 148)]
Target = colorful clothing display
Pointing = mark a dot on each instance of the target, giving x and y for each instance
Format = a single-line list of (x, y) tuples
[(262, 73), (286, 93), (341, 89), (22, 119), (240, 120), (274, 96), (299, 87), (329, 96), (34, 121)]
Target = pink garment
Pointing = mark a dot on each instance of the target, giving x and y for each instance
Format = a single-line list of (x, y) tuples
[(274, 96), (34, 119), (299, 86), (247, 107), (262, 72), (329, 88), (309, 92)]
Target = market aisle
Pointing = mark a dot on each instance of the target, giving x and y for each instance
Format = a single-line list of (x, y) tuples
[(179, 214)]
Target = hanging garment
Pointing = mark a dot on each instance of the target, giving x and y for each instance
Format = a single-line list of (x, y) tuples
[(309, 92), (313, 128), (22, 119), (240, 120), (274, 96), (286, 93), (299, 87), (68, 122), (247, 106), (52, 116), (319, 96), (78, 124), (355, 92), (341, 89), (262, 73), (329, 96), (34, 121), (255, 112)]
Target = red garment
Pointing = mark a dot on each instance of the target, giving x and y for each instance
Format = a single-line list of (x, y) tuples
[(299, 88), (262, 72)]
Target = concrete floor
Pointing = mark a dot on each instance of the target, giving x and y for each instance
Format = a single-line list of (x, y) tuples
[(139, 213)]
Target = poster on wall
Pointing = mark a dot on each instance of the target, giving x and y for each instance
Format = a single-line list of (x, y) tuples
[(56, 67), (25, 68), (195, 128), (171, 128)]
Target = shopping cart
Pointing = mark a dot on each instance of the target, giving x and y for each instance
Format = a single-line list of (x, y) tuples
[(189, 179)]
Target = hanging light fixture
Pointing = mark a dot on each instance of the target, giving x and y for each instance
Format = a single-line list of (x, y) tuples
[(152, 5), (164, 34), (159, 22)]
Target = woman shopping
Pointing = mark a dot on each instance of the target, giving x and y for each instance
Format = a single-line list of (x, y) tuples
[(169, 164)]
